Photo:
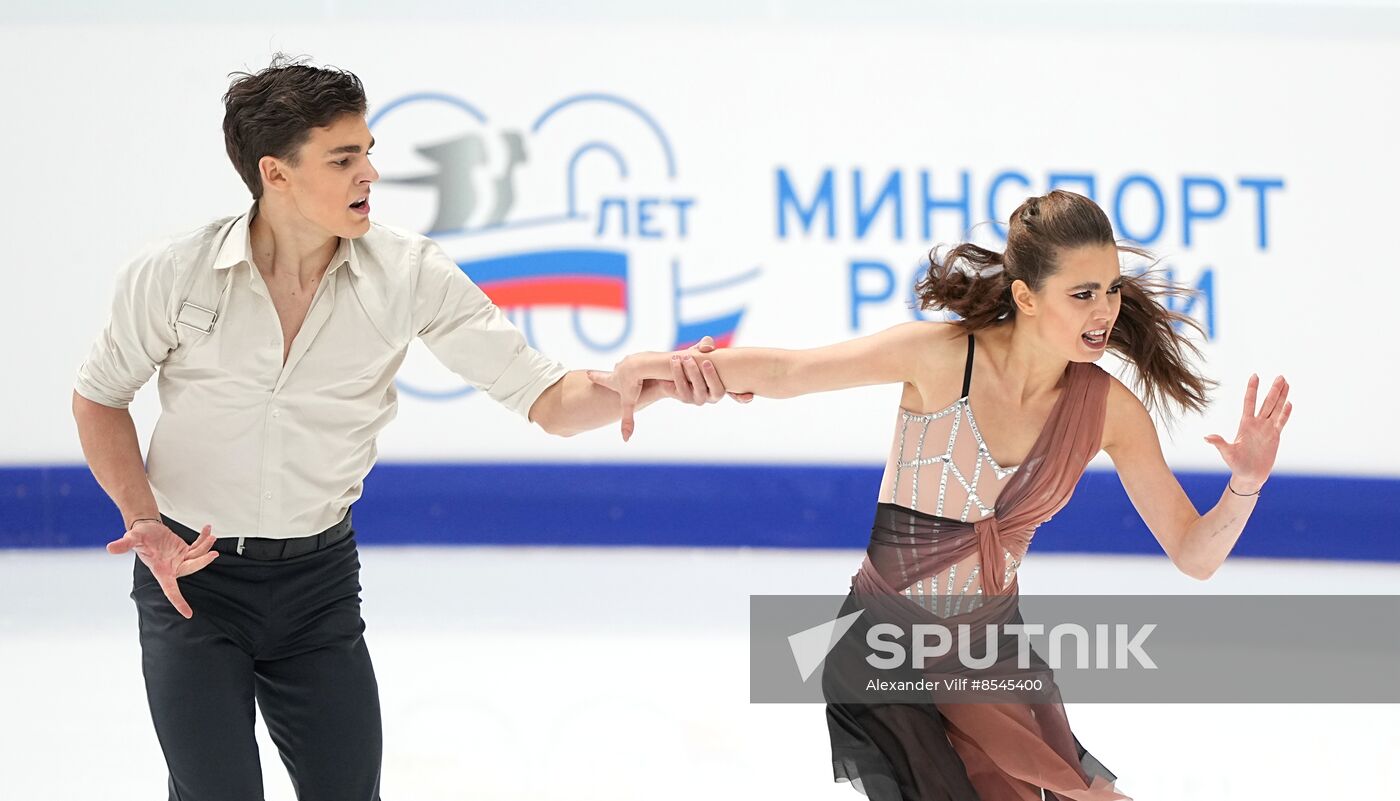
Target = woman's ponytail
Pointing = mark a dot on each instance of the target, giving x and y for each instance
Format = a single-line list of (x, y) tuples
[(979, 293)]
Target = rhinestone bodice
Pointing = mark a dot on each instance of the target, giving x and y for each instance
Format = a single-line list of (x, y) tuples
[(940, 465), (903, 460)]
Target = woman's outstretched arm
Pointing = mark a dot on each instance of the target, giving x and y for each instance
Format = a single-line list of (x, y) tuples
[(1197, 544), (887, 357)]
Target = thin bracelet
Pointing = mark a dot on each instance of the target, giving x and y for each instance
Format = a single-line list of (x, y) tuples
[(139, 519), (1245, 494)]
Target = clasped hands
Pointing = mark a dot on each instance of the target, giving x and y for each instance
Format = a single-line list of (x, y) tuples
[(694, 380)]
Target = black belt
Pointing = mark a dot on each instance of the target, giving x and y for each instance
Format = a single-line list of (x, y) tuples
[(267, 549)]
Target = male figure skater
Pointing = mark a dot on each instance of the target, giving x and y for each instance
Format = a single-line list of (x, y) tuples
[(277, 334)]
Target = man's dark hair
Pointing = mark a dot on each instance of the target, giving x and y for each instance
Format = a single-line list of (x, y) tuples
[(272, 112)]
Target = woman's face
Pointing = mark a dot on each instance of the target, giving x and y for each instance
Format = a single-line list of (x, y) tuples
[(1079, 304)]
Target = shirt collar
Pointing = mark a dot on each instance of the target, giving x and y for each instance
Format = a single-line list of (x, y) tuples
[(345, 254), (237, 247)]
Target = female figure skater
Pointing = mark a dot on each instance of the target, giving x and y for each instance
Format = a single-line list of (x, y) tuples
[(964, 491)]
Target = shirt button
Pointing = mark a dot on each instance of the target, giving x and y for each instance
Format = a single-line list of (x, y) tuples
[(276, 412), (267, 495)]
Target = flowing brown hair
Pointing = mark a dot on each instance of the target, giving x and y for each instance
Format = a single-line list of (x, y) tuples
[(963, 281)]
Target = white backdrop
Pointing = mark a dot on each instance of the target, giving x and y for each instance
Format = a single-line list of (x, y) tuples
[(113, 139)]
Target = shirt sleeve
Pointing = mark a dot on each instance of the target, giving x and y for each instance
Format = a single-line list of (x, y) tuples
[(138, 336), (471, 336)]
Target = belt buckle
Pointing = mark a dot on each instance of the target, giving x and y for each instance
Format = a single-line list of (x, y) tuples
[(239, 550)]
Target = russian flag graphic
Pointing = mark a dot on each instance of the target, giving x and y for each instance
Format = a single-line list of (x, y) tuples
[(708, 309), (721, 328), (574, 277)]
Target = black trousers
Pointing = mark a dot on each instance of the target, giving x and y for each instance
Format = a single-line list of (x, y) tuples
[(287, 633)]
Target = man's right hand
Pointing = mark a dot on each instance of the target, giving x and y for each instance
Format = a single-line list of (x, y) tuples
[(167, 556)]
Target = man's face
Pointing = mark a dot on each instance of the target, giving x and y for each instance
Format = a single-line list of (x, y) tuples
[(329, 186)]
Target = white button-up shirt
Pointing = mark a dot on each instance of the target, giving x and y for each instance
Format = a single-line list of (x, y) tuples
[(271, 450)]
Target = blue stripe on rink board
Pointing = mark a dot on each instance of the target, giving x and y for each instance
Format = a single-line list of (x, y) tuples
[(771, 506)]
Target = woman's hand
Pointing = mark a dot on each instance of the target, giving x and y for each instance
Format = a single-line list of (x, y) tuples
[(696, 380), (1250, 456)]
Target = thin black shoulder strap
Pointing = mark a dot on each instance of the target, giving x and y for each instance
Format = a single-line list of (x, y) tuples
[(967, 371)]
